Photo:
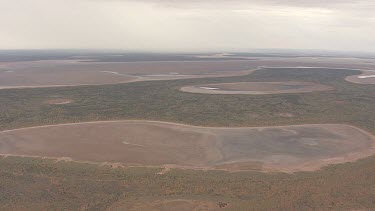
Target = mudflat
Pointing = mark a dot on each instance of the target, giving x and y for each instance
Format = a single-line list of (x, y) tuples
[(50, 73), (148, 143), (257, 88), (367, 77), (74, 73)]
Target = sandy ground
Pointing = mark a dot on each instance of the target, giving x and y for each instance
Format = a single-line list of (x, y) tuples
[(367, 77), (257, 88), (166, 205), (73, 73), (147, 143), (58, 101)]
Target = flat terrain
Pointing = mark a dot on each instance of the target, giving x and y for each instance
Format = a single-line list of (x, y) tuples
[(166, 205), (50, 73), (257, 88), (42, 184), (57, 184), (132, 143), (367, 77), (347, 103), (53, 73), (288, 148), (58, 101), (72, 72)]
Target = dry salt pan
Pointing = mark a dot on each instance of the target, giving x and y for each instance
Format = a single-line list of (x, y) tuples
[(209, 88), (115, 73), (366, 76)]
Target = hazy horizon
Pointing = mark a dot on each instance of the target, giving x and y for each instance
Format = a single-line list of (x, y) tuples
[(188, 26)]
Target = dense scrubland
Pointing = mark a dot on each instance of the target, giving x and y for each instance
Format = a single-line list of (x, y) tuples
[(34, 184)]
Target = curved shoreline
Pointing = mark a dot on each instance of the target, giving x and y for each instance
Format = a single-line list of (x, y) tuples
[(176, 124), (137, 79), (346, 158), (257, 88), (367, 77), (192, 76), (235, 165)]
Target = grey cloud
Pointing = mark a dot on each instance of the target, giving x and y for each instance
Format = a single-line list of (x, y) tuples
[(171, 25), (294, 3)]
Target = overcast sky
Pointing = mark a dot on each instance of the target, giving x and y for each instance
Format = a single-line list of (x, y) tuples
[(188, 25)]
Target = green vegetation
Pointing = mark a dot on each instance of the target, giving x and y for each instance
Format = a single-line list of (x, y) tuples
[(45, 184), (161, 100)]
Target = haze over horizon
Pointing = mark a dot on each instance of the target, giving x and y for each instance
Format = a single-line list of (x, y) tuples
[(170, 25)]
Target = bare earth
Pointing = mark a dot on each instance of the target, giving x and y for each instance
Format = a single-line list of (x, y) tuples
[(257, 88), (147, 143), (73, 73), (166, 205), (367, 77), (58, 101)]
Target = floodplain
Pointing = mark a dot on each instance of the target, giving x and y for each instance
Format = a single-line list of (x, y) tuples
[(77, 71), (367, 77), (257, 88), (147, 143)]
